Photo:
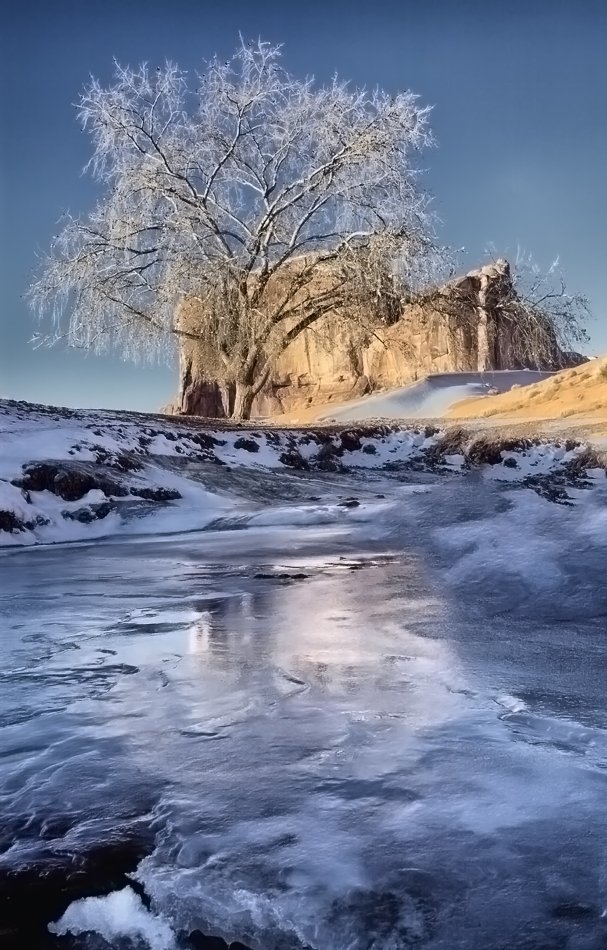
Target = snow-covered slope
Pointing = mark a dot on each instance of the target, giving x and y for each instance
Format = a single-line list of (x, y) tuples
[(427, 398), (79, 474)]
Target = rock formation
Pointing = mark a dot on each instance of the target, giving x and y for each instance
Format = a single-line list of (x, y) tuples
[(456, 328)]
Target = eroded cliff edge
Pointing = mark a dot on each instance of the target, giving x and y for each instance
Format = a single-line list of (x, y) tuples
[(460, 327)]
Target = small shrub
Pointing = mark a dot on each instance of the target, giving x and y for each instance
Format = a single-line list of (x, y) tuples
[(484, 452)]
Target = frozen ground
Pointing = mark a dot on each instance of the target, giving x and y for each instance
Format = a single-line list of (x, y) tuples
[(353, 709), (68, 475)]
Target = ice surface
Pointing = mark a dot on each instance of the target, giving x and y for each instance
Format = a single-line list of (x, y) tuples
[(355, 734), (348, 726)]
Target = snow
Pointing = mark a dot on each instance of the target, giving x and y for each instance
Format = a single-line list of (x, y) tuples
[(118, 915), (433, 395), (142, 452), (539, 459)]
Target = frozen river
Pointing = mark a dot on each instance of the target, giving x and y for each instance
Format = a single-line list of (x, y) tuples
[(343, 736)]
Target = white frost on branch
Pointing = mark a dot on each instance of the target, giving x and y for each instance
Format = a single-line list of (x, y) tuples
[(244, 193)]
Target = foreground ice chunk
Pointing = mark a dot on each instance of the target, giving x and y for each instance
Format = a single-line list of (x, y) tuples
[(119, 914)]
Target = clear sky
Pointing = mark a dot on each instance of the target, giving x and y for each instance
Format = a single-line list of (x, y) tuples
[(519, 94)]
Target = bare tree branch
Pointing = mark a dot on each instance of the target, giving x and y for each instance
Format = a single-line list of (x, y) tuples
[(257, 201)]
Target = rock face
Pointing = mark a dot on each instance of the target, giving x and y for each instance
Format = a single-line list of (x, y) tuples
[(457, 328)]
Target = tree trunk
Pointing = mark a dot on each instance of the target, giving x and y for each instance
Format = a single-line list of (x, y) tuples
[(243, 401)]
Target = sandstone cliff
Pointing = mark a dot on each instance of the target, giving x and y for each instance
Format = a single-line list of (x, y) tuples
[(456, 328)]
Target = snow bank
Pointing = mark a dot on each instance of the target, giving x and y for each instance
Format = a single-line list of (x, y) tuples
[(67, 475)]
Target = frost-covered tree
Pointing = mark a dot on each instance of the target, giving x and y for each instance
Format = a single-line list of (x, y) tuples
[(547, 320), (265, 200)]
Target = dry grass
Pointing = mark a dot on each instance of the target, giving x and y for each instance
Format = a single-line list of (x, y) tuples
[(579, 394)]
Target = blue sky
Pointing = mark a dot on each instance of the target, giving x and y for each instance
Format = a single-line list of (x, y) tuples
[(519, 95)]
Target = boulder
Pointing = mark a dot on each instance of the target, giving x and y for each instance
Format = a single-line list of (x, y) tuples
[(68, 481)]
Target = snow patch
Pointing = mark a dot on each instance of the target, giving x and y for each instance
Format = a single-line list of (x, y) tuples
[(120, 914)]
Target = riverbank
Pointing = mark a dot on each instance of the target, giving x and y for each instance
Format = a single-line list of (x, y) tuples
[(69, 475)]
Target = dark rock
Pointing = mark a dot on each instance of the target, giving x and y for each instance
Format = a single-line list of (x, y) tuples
[(510, 463), (327, 459), (516, 445), (37, 522), (196, 940), (578, 466), (67, 481), (283, 576), (350, 441), (199, 941), (349, 503), (9, 522), (83, 515), (156, 494), (369, 448), (249, 445), (294, 459), (484, 452), (205, 441), (453, 442), (102, 509), (127, 462), (549, 487), (33, 895), (573, 910), (89, 513)]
